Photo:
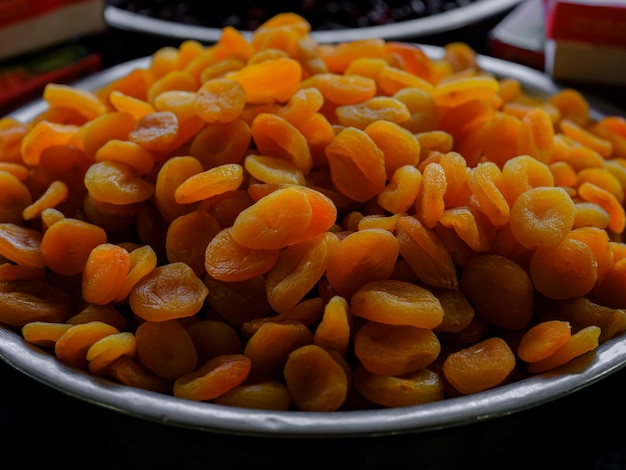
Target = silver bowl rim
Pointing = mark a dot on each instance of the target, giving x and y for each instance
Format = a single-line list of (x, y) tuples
[(453, 412), (411, 29)]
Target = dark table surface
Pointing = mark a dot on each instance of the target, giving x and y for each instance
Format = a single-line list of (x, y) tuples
[(582, 430), (40, 425)]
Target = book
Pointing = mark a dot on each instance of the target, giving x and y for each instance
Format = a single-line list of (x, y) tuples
[(29, 25)]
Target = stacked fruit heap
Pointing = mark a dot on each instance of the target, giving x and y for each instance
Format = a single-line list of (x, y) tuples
[(274, 223)]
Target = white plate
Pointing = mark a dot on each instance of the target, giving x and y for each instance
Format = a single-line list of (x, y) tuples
[(412, 29), (448, 413)]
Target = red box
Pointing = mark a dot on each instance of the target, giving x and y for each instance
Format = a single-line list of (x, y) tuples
[(586, 40)]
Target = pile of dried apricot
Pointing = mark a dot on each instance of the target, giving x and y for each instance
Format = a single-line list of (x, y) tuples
[(267, 222)]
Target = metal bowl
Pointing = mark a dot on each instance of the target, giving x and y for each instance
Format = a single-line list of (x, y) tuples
[(412, 29), (448, 413)]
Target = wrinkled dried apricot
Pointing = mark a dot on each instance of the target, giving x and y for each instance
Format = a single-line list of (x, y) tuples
[(315, 380), (395, 349), (393, 302), (479, 367), (168, 292), (508, 284), (166, 348)]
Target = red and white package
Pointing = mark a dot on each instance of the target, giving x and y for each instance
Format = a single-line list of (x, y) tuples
[(586, 40)]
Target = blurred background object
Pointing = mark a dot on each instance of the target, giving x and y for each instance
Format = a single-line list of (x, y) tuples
[(586, 40), (29, 25), (40, 43), (581, 41), (331, 20)]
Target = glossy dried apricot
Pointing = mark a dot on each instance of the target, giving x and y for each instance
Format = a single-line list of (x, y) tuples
[(593, 193), (259, 80), (357, 165), (257, 394), (463, 89), (377, 108), (214, 378), (297, 270), (107, 313), (471, 226), (214, 338), (25, 301), (274, 221), (155, 131), (485, 183), (315, 380), (429, 203), (269, 347), (567, 270), (424, 114), (12, 131), (542, 217), (458, 311), (171, 175), (425, 253), (21, 245), (536, 135), (342, 89), (479, 367), (581, 342), (166, 348), (187, 238), (338, 57), (220, 100), (66, 245), (100, 130), (417, 388), (221, 143), (508, 284), (129, 371), (392, 79), (44, 135), (399, 145), (143, 260), (393, 302), (73, 345), (168, 292), (227, 260), (66, 96), (274, 136), (44, 333), (104, 273), (238, 302), (395, 349), (543, 339), (15, 198), (360, 257), (129, 153), (209, 183), (400, 194), (334, 331), (106, 350), (302, 106), (117, 183)]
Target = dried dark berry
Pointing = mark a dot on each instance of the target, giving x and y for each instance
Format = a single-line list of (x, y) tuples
[(321, 14)]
